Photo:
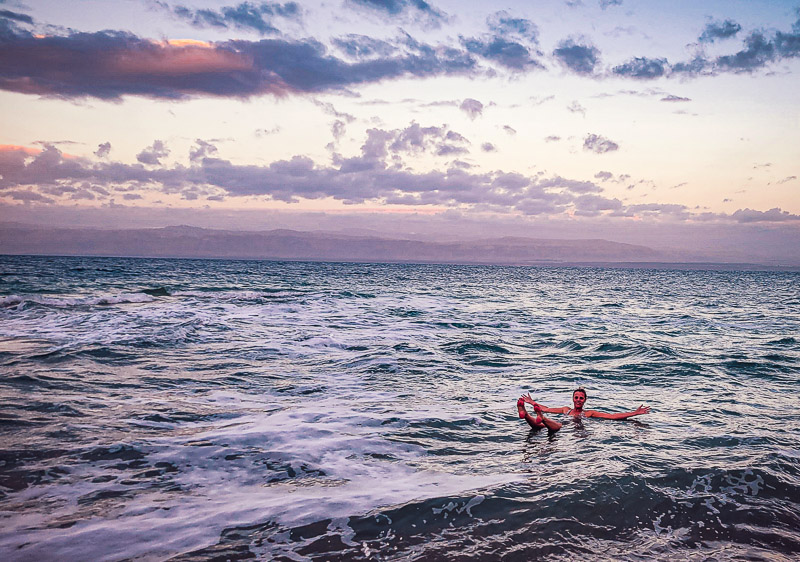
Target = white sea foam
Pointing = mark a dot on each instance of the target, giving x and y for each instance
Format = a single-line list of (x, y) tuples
[(351, 469), (11, 300)]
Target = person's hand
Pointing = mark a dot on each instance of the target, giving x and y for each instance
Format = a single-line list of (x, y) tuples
[(527, 398), (642, 409)]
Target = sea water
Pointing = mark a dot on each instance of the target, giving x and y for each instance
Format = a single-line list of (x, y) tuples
[(198, 409)]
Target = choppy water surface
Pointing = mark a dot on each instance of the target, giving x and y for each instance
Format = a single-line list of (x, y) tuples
[(193, 409)]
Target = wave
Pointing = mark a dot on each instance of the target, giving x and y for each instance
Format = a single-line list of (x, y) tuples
[(476, 347), (788, 341), (619, 351), (21, 302), (682, 512), (157, 292), (356, 295), (239, 295), (570, 345)]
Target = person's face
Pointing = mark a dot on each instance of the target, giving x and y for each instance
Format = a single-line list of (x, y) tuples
[(578, 399)]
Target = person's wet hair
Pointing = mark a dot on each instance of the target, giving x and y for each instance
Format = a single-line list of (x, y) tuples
[(583, 390)]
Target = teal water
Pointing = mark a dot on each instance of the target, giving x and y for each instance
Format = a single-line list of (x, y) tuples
[(194, 409)]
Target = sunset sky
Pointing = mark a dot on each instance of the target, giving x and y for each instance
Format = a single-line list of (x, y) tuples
[(620, 119)]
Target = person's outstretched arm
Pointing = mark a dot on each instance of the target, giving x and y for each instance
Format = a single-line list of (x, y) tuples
[(619, 415)]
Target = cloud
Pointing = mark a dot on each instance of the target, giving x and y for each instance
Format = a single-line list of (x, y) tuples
[(202, 150), (758, 52), (787, 179), (695, 67), (593, 205), (473, 108), (23, 166), (788, 44), (440, 103), (578, 57), (27, 196), (576, 107), (82, 194), (153, 154), (673, 98), (263, 132), (488, 147), (249, 16), (451, 150), (510, 130), (370, 177), (338, 129), (112, 64), (657, 209), (773, 215), (16, 16), (109, 65), (719, 30), (642, 68), (604, 176), (103, 150), (331, 110), (512, 55), (363, 47), (540, 100), (599, 144), (373, 176), (552, 138), (416, 10), (576, 186), (455, 137), (760, 49), (501, 23), (608, 3), (414, 139)]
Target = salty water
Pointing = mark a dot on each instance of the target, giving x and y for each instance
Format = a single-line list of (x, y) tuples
[(198, 409)]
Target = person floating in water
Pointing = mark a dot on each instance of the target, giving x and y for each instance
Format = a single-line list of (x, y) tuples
[(577, 410)]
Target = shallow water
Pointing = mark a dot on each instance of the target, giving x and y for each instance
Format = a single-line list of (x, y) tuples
[(306, 411)]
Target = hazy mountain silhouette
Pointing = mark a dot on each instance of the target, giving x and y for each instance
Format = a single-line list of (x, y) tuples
[(194, 242)]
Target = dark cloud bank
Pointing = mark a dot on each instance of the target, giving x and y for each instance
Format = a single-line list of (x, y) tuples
[(112, 64), (109, 65)]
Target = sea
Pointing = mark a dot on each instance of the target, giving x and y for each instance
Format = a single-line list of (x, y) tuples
[(187, 410)]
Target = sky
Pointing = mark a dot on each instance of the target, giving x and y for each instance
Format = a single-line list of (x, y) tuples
[(673, 124)]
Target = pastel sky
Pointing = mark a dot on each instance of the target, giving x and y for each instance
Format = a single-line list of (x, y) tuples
[(565, 117)]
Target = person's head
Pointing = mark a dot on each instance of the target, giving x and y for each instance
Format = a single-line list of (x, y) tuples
[(579, 397)]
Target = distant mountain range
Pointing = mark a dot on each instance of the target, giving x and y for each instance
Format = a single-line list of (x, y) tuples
[(193, 242)]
